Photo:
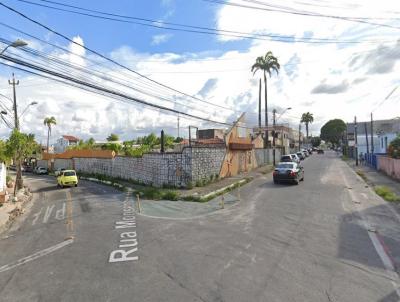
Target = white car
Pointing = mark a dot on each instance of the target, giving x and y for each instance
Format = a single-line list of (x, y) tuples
[(58, 172), (41, 170), (295, 158)]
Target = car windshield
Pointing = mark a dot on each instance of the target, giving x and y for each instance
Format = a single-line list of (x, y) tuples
[(69, 173), (284, 166)]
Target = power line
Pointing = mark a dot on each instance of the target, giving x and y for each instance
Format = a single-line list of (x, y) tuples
[(293, 12), (104, 57), (190, 28)]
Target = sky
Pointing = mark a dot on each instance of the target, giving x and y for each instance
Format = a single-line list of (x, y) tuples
[(330, 66)]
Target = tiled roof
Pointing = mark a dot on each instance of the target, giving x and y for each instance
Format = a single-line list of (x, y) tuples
[(71, 138)]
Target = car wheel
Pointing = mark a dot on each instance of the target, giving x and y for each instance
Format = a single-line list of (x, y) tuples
[(275, 181), (296, 182), (302, 179), (76, 185)]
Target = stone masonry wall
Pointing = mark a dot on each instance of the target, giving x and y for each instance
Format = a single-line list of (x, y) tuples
[(206, 162), (173, 169)]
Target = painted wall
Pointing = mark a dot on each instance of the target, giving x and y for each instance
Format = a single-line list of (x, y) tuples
[(389, 166)]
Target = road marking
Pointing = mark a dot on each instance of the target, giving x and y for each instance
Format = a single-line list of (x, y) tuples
[(48, 213), (36, 216), (377, 243), (35, 256), (60, 214)]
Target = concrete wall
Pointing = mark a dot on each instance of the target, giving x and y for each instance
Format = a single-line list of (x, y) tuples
[(390, 166), (265, 156), (173, 169), (42, 163)]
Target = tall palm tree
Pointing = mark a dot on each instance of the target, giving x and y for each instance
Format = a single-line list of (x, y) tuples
[(307, 118), (267, 63), (48, 121)]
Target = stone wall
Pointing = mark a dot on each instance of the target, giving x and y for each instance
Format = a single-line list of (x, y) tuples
[(157, 169), (63, 164)]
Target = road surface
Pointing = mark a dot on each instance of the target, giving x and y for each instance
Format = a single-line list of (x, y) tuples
[(327, 239)]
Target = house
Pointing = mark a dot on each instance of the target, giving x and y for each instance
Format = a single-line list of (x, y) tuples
[(64, 142), (211, 133), (384, 131)]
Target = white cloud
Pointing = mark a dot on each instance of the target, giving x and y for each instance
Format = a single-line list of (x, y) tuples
[(159, 39)]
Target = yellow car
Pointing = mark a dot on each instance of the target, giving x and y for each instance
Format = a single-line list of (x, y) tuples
[(67, 178)]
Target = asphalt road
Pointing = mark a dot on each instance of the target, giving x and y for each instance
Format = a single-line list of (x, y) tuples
[(327, 239)]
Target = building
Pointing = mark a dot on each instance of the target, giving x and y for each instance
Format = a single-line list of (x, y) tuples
[(211, 133), (64, 142), (286, 138), (384, 131)]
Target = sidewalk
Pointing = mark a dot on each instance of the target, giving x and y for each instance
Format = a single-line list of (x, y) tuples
[(375, 178)]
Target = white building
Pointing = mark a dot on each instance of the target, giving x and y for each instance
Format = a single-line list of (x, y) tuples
[(64, 142)]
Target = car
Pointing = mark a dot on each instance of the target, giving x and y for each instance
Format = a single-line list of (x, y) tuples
[(305, 152), (295, 158), (58, 171), (320, 151), (67, 178), (288, 172), (28, 169), (301, 155), (41, 170), (286, 158)]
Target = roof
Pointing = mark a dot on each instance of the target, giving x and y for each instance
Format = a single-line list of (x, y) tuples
[(71, 138)]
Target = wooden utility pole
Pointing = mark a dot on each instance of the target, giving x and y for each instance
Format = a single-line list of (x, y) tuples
[(14, 83), (178, 126)]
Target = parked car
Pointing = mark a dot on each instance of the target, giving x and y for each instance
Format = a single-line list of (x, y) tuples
[(295, 158), (320, 151), (301, 155), (28, 169), (305, 152), (41, 170), (58, 172), (67, 178), (286, 158), (288, 172)]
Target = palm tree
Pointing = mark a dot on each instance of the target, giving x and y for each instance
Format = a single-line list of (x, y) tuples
[(48, 121), (267, 63), (307, 118)]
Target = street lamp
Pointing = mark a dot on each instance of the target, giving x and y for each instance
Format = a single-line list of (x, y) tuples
[(31, 104), (3, 112), (17, 43), (274, 132)]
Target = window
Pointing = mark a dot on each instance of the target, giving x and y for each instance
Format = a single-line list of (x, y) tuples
[(381, 142), (69, 173)]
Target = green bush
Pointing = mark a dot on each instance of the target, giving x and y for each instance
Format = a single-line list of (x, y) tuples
[(386, 193), (199, 183), (8, 178), (151, 193), (189, 186), (170, 195)]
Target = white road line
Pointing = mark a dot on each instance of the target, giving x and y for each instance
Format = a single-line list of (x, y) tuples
[(60, 214), (48, 213), (35, 256), (386, 260)]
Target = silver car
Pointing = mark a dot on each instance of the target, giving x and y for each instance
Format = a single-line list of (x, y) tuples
[(295, 158)]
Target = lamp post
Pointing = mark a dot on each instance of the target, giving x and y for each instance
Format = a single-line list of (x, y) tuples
[(274, 132), (15, 44)]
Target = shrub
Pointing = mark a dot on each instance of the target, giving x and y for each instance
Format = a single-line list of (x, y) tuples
[(170, 195), (386, 193), (199, 183), (189, 185), (151, 193), (8, 178)]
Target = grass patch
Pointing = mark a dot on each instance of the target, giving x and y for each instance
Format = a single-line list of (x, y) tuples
[(362, 175), (387, 194)]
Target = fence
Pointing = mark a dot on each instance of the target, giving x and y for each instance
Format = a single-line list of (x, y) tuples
[(372, 159), (390, 166)]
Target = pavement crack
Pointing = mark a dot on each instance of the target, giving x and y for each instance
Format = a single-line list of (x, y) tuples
[(172, 278)]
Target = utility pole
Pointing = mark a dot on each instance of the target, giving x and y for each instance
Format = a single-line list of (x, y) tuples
[(14, 83), (299, 135), (273, 134), (259, 106), (355, 139), (372, 135), (366, 136), (178, 125)]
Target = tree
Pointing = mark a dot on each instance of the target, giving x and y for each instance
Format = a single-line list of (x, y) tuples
[(332, 131), (394, 147), (113, 137), (151, 140), (48, 121), (315, 141), (307, 118), (267, 63), (19, 146)]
